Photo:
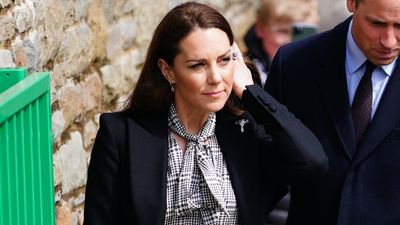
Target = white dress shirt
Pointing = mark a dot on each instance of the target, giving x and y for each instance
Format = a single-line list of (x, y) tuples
[(355, 69)]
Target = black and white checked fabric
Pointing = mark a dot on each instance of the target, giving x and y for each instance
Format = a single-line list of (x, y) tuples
[(199, 189)]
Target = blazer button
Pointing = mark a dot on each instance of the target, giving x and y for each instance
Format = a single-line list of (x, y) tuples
[(264, 101), (272, 108)]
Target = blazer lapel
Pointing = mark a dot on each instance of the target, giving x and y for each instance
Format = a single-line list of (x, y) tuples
[(241, 165), (148, 159), (386, 117), (332, 80), (148, 152)]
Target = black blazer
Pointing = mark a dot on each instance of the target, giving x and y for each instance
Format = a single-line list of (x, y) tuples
[(364, 189), (128, 169)]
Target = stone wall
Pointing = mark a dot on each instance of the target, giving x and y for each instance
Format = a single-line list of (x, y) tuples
[(93, 50)]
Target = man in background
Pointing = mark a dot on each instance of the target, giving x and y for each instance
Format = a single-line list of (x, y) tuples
[(344, 84), (278, 22)]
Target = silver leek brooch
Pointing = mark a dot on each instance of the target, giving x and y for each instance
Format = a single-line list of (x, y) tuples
[(241, 123)]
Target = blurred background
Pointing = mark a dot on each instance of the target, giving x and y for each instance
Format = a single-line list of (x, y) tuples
[(94, 50)]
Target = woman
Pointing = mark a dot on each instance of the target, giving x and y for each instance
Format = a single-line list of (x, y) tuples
[(182, 152)]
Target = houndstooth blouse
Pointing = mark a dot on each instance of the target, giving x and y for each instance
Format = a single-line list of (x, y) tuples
[(199, 190)]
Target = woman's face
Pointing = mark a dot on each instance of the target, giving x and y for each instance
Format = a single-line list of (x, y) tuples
[(203, 71)]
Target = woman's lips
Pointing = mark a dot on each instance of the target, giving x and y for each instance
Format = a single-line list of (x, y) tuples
[(213, 94)]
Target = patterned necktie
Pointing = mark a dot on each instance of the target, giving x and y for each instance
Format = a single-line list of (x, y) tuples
[(362, 103)]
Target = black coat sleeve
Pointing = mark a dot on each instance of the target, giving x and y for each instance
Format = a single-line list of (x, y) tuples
[(296, 153)]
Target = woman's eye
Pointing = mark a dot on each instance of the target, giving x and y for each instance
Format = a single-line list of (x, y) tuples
[(197, 65), (225, 60)]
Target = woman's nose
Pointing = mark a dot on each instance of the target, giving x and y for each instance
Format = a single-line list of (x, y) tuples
[(214, 76)]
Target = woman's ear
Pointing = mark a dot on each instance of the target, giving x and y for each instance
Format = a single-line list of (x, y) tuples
[(166, 70)]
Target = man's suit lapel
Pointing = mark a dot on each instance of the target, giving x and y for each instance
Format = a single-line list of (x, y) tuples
[(332, 80), (386, 118), (241, 165), (334, 91), (148, 152)]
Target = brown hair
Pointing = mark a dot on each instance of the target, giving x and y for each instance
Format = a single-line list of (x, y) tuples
[(152, 93)]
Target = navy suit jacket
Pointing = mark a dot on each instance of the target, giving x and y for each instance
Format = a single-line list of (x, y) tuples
[(362, 189), (128, 170)]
